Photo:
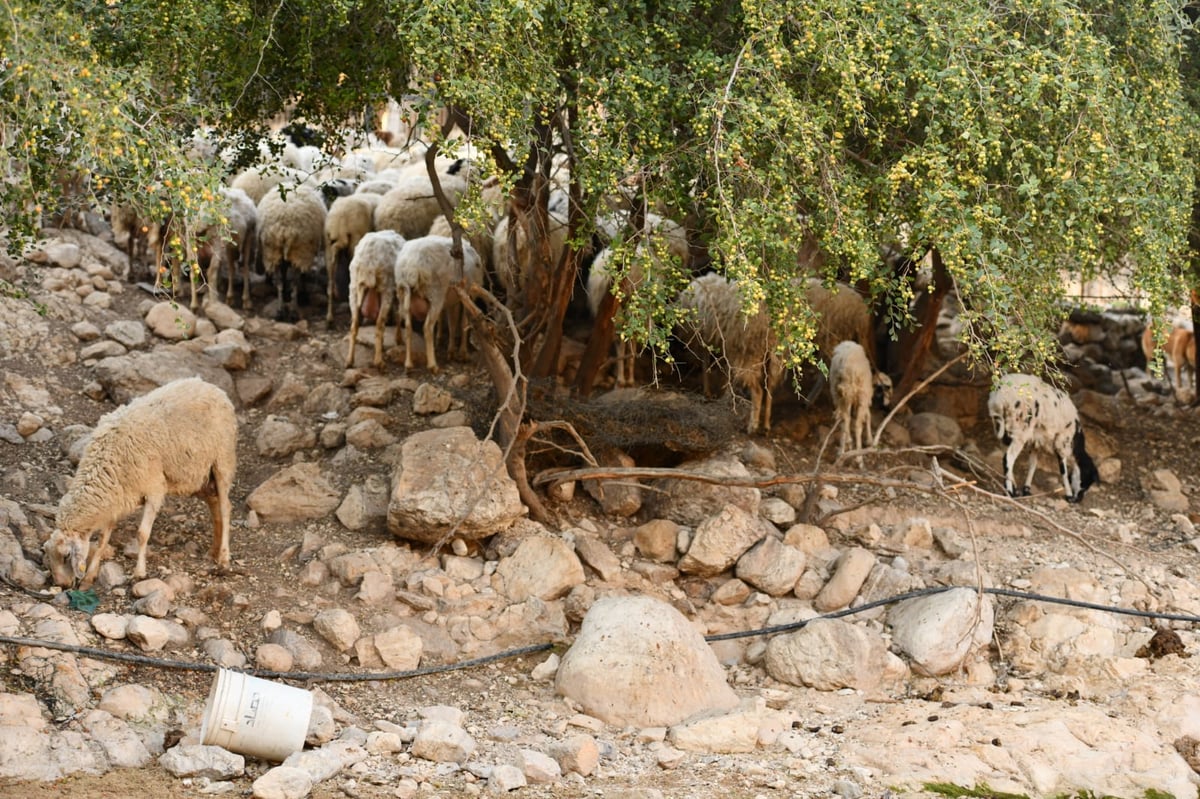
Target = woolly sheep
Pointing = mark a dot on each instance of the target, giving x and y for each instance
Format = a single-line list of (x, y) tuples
[(238, 248), (844, 316), (179, 440), (291, 231), (410, 207), (258, 180), (747, 344), (373, 268), (348, 221), (424, 267), (1026, 410), (853, 385)]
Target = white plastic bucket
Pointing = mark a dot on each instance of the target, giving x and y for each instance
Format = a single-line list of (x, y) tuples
[(255, 717)]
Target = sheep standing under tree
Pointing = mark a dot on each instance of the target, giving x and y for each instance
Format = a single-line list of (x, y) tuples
[(179, 440), (425, 269), (373, 269), (854, 386), (1026, 410)]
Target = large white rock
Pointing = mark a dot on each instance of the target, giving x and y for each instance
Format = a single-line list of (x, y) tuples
[(637, 661), (294, 494), (828, 654), (938, 631), (541, 566), (282, 782), (721, 539), (338, 627), (213, 762), (443, 742), (450, 480), (771, 566)]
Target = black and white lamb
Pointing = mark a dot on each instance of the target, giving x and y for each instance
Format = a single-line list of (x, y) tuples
[(1027, 410)]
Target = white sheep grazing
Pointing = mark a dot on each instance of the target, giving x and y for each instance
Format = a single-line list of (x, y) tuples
[(373, 268), (747, 344), (348, 221), (1026, 410), (410, 207), (291, 232), (178, 440), (238, 248), (425, 268), (854, 386)]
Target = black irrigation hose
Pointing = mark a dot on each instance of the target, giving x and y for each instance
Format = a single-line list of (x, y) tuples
[(183, 665), (128, 657), (1076, 603)]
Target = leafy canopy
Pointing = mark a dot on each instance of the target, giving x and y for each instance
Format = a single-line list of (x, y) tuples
[(1023, 140)]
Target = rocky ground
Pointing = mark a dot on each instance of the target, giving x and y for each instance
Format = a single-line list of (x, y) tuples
[(1053, 700)]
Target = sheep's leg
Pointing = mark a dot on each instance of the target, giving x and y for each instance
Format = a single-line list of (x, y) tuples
[(355, 302), (407, 304), (93, 563), (214, 269), (431, 328), (221, 508), (330, 270), (153, 504), (1010, 459), (1033, 462), (1070, 477), (247, 250), (282, 292), (756, 400), (385, 312)]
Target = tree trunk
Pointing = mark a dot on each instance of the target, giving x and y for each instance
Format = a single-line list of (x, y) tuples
[(918, 350)]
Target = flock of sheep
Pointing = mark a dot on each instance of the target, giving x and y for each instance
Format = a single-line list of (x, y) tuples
[(382, 226)]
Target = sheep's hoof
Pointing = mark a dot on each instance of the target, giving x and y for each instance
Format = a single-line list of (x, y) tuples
[(1074, 499)]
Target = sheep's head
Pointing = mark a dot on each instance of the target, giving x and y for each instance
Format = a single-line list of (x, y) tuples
[(883, 390), (65, 556)]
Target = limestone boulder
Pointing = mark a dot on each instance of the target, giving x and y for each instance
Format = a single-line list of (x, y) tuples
[(450, 480)]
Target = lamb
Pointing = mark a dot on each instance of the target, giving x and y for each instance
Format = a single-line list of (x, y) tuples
[(854, 386), (291, 230), (1026, 410), (747, 344), (373, 268), (348, 221), (179, 440), (425, 267)]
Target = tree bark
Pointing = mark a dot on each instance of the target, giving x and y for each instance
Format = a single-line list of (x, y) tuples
[(918, 351)]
